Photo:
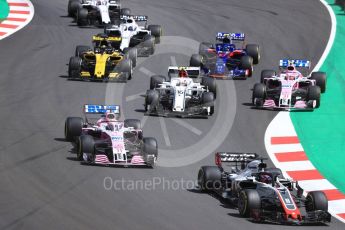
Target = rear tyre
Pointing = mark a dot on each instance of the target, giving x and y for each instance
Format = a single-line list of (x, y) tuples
[(82, 14), (267, 73), (80, 50), (126, 11), (134, 123), (259, 93), (209, 178), (211, 84), (314, 93), (73, 127), (320, 78), (73, 6), (74, 67), (196, 60), (254, 52), (86, 144), (156, 80), (156, 31), (247, 64), (248, 200), (315, 201)]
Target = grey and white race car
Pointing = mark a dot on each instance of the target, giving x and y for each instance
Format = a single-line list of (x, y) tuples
[(186, 94), (133, 31), (262, 193), (96, 12)]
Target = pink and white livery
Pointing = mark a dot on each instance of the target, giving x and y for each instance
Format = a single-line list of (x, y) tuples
[(108, 141), (290, 89)]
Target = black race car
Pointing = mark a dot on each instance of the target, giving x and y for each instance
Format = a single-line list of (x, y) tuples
[(262, 193)]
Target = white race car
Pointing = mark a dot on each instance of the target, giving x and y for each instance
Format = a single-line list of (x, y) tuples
[(131, 34), (96, 12), (180, 96)]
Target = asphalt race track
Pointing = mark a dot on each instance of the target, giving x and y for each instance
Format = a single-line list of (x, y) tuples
[(42, 185)]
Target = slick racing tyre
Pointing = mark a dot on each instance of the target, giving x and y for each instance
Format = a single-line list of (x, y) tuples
[(315, 201), (248, 200), (210, 84), (73, 127), (246, 63), (150, 150), (74, 68), (207, 100), (82, 17), (209, 178), (196, 60), (314, 93), (151, 99), (126, 67), (80, 50), (86, 144), (149, 42), (125, 11), (259, 93), (134, 123), (320, 78), (156, 31), (156, 80), (73, 6), (132, 53), (254, 52), (267, 73)]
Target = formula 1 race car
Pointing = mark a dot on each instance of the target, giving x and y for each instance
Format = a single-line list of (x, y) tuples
[(130, 34), (227, 60), (101, 64), (182, 96), (262, 193), (96, 12), (108, 141), (290, 89)]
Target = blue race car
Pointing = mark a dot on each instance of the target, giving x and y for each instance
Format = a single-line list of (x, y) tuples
[(230, 59)]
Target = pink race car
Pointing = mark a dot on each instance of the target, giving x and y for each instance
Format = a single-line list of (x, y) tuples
[(290, 89), (108, 141)]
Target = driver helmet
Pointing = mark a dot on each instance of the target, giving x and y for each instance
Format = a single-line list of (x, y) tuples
[(130, 28), (110, 117), (290, 77), (291, 68), (226, 39), (265, 178), (182, 72)]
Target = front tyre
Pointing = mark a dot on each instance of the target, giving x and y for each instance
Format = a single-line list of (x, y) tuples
[(248, 200), (86, 144), (73, 127)]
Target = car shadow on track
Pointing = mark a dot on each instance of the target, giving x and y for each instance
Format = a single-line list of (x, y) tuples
[(223, 202)]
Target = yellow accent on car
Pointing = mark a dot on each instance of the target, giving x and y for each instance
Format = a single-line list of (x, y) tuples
[(101, 62), (114, 75), (85, 74)]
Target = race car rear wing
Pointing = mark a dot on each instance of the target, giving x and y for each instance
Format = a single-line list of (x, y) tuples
[(299, 63), (101, 109), (137, 18), (191, 71), (232, 36), (236, 157)]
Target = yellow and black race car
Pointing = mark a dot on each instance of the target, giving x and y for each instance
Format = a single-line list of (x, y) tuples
[(103, 63)]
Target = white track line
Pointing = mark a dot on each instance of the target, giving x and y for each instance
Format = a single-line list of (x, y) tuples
[(165, 131), (187, 126)]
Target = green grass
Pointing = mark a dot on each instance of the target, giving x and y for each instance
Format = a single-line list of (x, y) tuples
[(322, 132)]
